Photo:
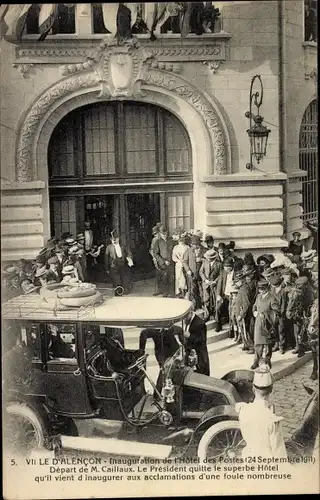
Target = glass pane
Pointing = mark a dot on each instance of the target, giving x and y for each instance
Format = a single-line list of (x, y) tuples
[(61, 149), (140, 138), (99, 140), (179, 211), (178, 152)]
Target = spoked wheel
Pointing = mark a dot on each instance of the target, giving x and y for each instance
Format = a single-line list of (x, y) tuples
[(222, 440), (24, 430)]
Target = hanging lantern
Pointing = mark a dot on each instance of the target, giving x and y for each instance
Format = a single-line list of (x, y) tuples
[(257, 132), (258, 135)]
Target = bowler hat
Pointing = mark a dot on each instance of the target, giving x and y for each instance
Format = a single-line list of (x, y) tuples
[(296, 233), (195, 239), (53, 260), (211, 254), (231, 245), (262, 377), (228, 262), (66, 235)]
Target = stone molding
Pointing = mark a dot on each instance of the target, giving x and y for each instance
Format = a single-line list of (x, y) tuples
[(169, 49), (100, 72)]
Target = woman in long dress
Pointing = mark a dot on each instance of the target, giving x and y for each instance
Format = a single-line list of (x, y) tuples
[(180, 255)]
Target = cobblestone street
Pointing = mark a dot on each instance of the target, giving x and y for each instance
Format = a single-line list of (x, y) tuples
[(290, 397)]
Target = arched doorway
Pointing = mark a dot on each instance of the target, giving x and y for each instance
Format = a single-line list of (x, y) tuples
[(308, 161), (123, 165)]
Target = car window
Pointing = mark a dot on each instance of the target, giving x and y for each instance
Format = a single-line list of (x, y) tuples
[(61, 341), (31, 336)]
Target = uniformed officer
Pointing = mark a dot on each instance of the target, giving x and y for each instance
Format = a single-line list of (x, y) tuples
[(260, 427), (278, 290), (265, 310)]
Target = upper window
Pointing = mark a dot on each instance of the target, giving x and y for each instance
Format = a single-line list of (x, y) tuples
[(308, 160), (310, 21), (119, 139)]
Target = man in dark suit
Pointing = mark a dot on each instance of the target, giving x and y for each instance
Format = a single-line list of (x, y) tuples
[(165, 346), (224, 288), (118, 260), (162, 252), (195, 337)]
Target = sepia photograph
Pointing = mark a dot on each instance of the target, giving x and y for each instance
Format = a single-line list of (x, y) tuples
[(159, 249)]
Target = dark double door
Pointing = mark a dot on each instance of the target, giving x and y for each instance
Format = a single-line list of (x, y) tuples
[(133, 215)]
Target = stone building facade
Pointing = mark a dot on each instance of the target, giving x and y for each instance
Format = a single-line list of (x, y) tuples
[(194, 90)]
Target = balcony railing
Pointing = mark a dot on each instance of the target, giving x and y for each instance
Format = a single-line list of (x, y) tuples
[(90, 20)]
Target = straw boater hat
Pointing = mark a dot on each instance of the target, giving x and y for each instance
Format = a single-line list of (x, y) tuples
[(42, 271), (268, 272), (262, 377), (73, 249), (263, 284), (80, 237), (309, 255), (70, 241), (211, 254), (68, 270)]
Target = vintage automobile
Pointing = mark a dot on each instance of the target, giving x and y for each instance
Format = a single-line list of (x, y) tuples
[(69, 380)]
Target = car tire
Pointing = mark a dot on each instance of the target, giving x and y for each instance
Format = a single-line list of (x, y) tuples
[(218, 429), (32, 420)]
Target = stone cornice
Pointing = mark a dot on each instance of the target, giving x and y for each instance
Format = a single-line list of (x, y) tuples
[(168, 48)]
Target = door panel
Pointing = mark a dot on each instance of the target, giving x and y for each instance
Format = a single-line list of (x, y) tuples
[(179, 210), (64, 218)]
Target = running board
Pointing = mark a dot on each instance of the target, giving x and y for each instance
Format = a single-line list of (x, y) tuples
[(115, 447)]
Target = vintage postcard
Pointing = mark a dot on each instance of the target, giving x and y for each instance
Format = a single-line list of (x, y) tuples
[(159, 249)]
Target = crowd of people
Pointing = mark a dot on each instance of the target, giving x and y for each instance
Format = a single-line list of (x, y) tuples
[(264, 300)]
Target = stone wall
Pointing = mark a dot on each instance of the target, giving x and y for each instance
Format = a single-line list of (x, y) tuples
[(253, 208)]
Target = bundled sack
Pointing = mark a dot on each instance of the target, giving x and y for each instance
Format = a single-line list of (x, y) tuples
[(59, 296)]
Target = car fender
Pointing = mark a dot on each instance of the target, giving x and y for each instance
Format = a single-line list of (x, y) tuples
[(214, 415), (242, 381)]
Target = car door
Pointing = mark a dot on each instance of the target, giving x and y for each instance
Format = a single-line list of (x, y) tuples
[(64, 379)]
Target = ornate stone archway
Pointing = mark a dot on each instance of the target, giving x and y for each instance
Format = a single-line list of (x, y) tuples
[(117, 72)]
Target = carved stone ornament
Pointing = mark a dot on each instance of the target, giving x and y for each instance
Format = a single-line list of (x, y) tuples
[(189, 93), (120, 65), (212, 65), (23, 69), (120, 70)]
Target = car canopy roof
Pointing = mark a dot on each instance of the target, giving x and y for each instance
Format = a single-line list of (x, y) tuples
[(115, 311)]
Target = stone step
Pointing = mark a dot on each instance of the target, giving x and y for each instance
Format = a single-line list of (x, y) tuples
[(132, 338), (226, 356)]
